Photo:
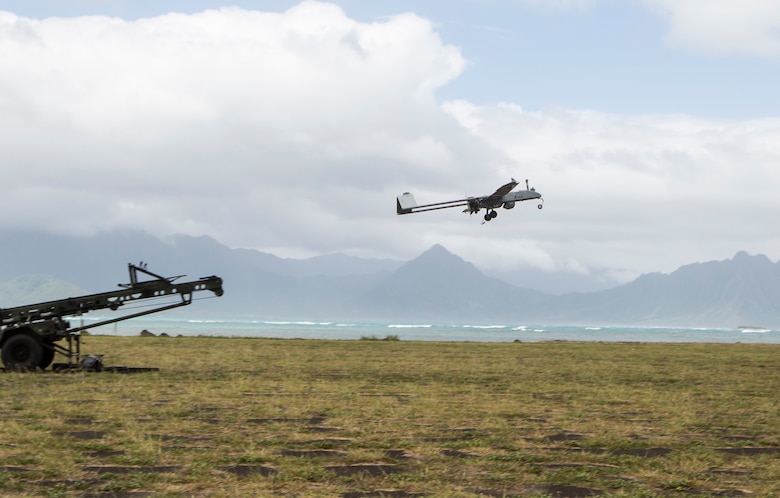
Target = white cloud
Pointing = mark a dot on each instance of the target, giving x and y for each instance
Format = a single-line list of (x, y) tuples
[(247, 107), (749, 27)]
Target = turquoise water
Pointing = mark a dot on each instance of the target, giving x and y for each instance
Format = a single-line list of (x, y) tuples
[(422, 331)]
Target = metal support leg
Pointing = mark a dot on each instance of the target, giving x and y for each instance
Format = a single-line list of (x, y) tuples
[(73, 351)]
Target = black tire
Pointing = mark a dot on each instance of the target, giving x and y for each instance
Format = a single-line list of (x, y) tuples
[(22, 352), (47, 356)]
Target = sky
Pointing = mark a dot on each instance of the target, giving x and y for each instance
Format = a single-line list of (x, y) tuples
[(651, 127)]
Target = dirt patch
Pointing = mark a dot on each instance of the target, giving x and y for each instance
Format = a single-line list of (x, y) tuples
[(119, 494), (306, 421), (249, 470), (66, 483), (576, 449), (564, 436), (749, 451), (399, 455), (578, 466), (548, 396), (565, 491), (48, 484), (182, 448), (179, 438), (381, 493), (131, 469), (387, 395), (555, 490), (328, 441), (443, 439), (644, 452), (314, 453), (14, 468), (726, 472), (105, 454), (738, 438), (284, 395), (322, 428), (497, 494), (458, 454), (551, 490), (728, 492), (79, 421), (371, 469), (83, 435)]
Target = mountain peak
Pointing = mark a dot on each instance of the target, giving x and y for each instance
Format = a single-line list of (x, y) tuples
[(437, 250), (441, 284), (743, 256), (438, 260)]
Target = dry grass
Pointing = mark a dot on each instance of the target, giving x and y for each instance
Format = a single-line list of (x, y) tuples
[(266, 417)]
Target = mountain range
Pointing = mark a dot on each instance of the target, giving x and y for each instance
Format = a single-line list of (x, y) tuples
[(437, 285)]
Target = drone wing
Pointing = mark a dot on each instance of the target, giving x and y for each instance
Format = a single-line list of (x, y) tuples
[(501, 192), (406, 204)]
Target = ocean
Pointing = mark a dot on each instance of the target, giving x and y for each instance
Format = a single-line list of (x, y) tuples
[(423, 331)]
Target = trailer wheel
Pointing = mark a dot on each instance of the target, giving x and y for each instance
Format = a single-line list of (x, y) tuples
[(22, 352)]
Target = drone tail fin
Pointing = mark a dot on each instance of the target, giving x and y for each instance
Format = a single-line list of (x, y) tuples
[(405, 203)]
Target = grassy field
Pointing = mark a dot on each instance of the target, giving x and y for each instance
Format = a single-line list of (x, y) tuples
[(268, 417)]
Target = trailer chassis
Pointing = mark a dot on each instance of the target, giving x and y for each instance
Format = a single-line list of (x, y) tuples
[(30, 335)]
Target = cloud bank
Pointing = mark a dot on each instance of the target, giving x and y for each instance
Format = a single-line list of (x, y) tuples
[(293, 132), (721, 27)]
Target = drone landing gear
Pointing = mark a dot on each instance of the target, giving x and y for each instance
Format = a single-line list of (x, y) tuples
[(489, 215)]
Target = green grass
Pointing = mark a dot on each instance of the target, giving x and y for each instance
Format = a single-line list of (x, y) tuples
[(268, 417)]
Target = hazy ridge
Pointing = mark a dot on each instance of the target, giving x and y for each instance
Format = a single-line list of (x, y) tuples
[(437, 285)]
